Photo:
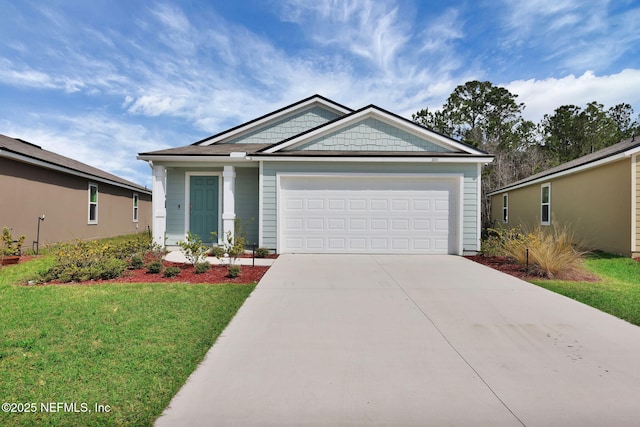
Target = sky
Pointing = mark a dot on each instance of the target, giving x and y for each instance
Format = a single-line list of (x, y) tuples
[(100, 81)]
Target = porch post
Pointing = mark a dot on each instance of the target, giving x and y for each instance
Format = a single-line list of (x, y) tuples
[(159, 207), (228, 201)]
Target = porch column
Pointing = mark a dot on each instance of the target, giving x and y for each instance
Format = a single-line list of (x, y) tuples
[(159, 206), (228, 201)]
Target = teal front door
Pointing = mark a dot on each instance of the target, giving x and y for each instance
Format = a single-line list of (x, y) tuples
[(203, 209)]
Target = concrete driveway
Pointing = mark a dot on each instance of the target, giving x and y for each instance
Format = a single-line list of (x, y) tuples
[(412, 340)]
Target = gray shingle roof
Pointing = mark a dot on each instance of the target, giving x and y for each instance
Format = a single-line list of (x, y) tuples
[(208, 150), (37, 154), (612, 150)]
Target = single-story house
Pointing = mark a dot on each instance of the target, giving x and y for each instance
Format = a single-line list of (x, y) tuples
[(77, 201), (319, 177), (597, 196)]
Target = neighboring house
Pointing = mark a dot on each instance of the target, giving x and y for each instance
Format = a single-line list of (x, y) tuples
[(318, 177), (77, 200), (597, 196)]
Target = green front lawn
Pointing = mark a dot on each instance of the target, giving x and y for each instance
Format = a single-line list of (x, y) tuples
[(618, 293), (128, 346)]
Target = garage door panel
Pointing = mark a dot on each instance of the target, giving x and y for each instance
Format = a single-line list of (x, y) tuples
[(315, 224), (337, 204), (336, 243), (400, 224), (400, 204), (337, 224), (422, 225), (315, 204), (357, 244), (368, 215), (358, 205), (379, 225), (379, 205), (379, 244), (357, 224)]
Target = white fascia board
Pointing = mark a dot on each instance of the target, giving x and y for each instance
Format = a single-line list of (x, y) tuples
[(243, 129), (371, 112), (361, 159), (633, 151), (576, 169), (58, 168)]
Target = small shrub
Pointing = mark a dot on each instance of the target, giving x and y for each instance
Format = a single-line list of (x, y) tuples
[(7, 244), (155, 267), (193, 249), (262, 252), (234, 271), (111, 268), (136, 262), (171, 271), (202, 267), (217, 251)]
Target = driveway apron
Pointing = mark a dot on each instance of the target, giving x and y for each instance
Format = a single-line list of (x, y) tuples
[(411, 340)]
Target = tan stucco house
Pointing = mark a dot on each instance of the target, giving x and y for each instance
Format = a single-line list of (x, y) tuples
[(597, 196), (78, 201)]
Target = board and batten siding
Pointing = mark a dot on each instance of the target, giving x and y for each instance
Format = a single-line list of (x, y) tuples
[(470, 184), (246, 195)]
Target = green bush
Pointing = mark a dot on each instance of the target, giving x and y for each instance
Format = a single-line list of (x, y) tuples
[(171, 271), (234, 271), (136, 262), (262, 252), (217, 251), (155, 267), (202, 267), (111, 268), (193, 249)]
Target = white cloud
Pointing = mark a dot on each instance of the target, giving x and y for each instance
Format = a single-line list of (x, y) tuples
[(95, 139), (576, 35), (544, 96)]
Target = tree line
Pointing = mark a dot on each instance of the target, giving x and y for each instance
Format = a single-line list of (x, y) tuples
[(490, 118)]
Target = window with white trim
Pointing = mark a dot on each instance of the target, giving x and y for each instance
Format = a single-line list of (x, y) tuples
[(93, 203), (505, 208), (545, 204), (135, 207)]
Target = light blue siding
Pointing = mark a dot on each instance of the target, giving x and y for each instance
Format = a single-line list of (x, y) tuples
[(370, 135), (470, 185), (246, 201), (287, 127), (175, 205)]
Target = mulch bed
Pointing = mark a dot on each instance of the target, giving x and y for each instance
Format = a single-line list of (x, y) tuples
[(216, 274), (507, 266), (504, 265)]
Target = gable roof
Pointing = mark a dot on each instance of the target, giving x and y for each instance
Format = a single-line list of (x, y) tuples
[(609, 154), (274, 117), (229, 143), (383, 115), (26, 152)]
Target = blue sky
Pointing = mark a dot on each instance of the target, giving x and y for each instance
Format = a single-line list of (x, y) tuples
[(102, 80)]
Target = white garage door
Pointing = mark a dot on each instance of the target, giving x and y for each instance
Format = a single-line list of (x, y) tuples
[(357, 214)]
